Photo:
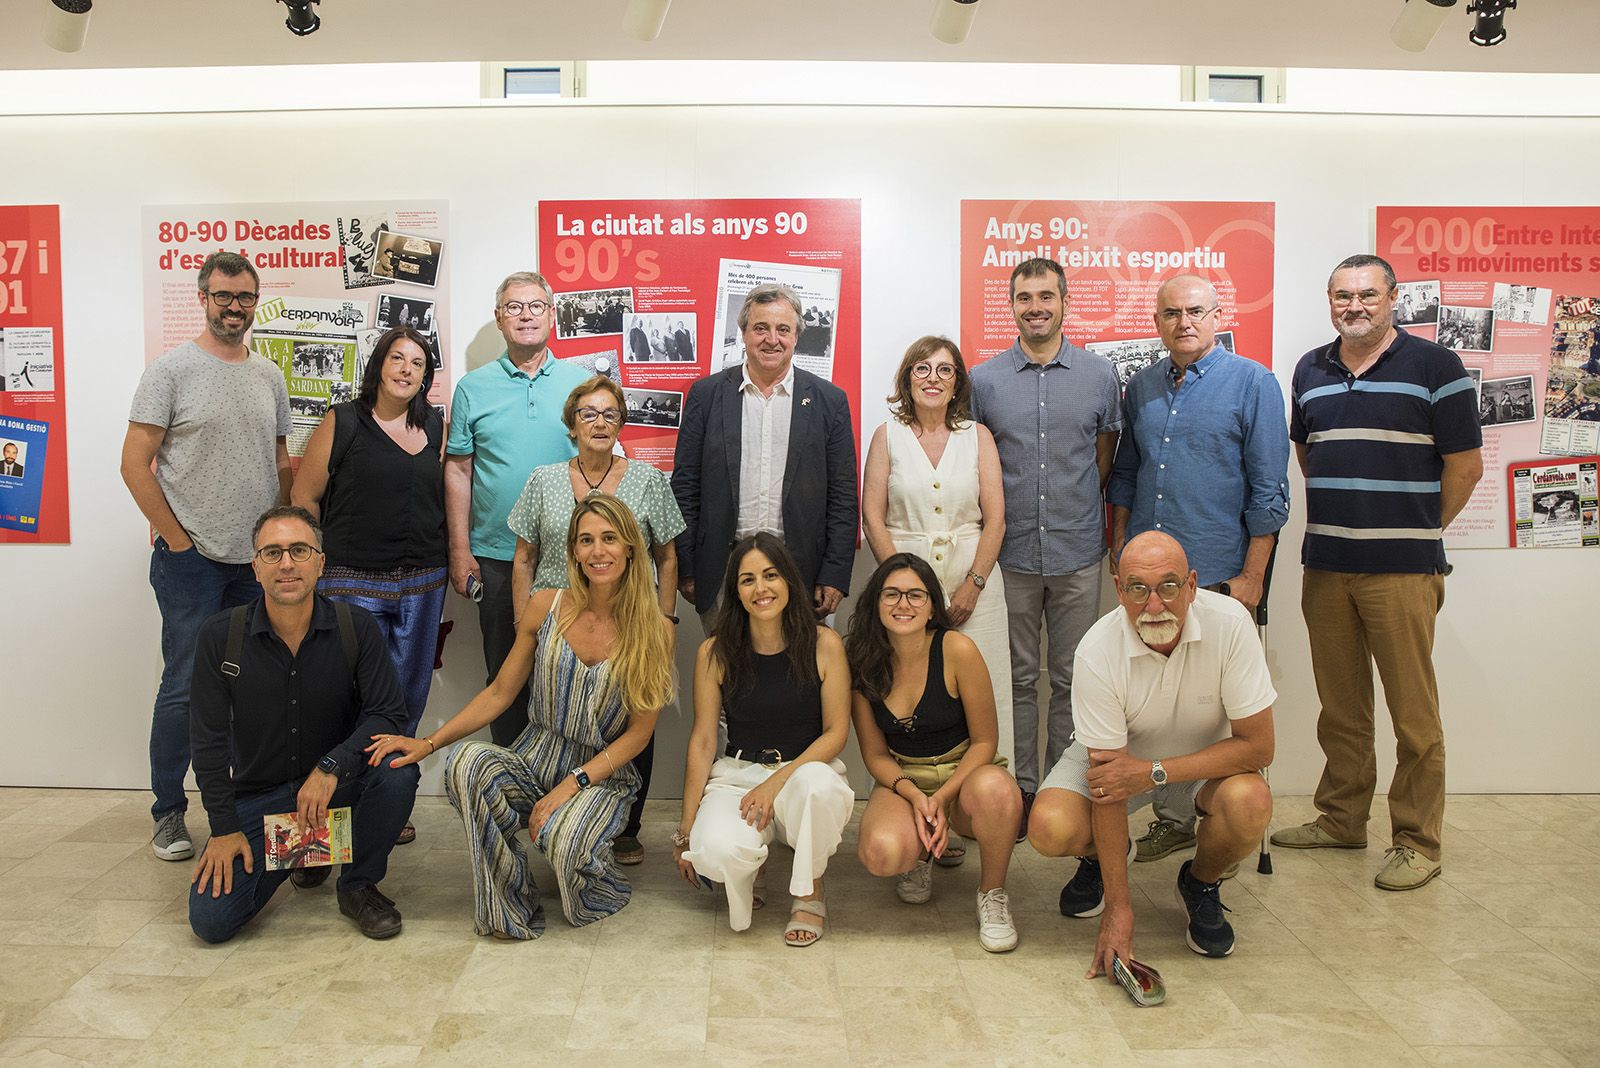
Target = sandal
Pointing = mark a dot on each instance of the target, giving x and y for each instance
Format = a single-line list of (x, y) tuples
[(955, 851), (817, 908), (408, 834)]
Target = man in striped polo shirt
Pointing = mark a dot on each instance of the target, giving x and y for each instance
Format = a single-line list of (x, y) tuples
[(1385, 427)]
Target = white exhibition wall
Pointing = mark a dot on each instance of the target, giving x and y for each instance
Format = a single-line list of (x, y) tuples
[(80, 626)]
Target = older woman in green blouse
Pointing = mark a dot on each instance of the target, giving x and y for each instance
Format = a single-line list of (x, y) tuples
[(594, 414)]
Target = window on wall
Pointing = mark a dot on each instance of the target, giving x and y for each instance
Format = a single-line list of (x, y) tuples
[(532, 81), (1233, 85)]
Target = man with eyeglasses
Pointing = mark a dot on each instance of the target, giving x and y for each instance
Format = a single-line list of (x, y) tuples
[(505, 420), (767, 446), (213, 419), (1171, 689), (288, 693), (1204, 457), (1053, 409), (1385, 426)]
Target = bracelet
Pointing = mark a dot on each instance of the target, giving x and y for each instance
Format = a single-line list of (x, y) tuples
[(609, 761), (432, 749), (894, 787), (680, 840)]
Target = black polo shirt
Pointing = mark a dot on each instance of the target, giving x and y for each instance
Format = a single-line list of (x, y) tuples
[(283, 713)]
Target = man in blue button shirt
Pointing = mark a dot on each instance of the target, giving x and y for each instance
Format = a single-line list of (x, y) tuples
[(505, 420), (1053, 409), (1203, 457)]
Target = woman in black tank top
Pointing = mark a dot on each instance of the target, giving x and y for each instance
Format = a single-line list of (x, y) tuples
[(783, 684), (925, 719)]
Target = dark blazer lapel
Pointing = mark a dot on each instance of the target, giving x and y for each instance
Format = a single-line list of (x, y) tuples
[(732, 403), (800, 424)]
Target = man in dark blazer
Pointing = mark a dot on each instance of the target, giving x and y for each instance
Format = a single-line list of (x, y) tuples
[(737, 471), (8, 462)]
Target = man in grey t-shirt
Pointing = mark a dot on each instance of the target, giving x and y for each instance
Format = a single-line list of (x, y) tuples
[(214, 421)]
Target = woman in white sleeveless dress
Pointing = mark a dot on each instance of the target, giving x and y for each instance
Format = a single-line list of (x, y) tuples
[(932, 487)]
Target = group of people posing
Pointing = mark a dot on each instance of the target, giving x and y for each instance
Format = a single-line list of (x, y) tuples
[(301, 615)]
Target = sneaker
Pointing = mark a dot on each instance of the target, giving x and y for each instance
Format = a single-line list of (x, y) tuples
[(1310, 836), (1407, 869), (1163, 839), (374, 913), (171, 840), (628, 850), (1027, 809), (915, 887), (310, 878), (996, 932), (1209, 933), (1085, 895)]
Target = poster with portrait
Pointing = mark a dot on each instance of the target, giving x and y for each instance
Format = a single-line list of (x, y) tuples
[(33, 383), (334, 276), (647, 292), (1516, 292), (1116, 254)]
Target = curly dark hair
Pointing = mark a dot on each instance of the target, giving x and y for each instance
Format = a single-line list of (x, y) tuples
[(867, 645), (731, 628)]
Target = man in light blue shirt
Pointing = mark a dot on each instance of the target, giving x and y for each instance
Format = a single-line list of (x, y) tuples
[(1053, 410), (505, 420), (1204, 458)]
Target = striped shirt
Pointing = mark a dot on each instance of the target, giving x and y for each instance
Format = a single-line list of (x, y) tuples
[(1374, 454), (1046, 419)]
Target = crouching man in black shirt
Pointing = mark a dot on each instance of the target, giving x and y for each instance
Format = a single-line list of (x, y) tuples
[(283, 702)]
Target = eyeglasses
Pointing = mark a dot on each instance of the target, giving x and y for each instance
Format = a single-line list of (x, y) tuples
[(1138, 592), (299, 552), (1178, 315), (943, 371), (1367, 297), (515, 307), (892, 596), (609, 416), (222, 298)]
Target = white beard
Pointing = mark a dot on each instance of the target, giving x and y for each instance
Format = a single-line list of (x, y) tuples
[(1158, 629)]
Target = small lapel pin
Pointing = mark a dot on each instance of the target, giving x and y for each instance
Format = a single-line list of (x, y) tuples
[(804, 401)]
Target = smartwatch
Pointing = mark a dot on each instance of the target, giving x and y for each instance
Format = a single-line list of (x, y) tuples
[(582, 778), (1158, 774), (329, 765)]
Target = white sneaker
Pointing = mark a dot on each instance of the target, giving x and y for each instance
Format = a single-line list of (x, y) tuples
[(996, 932), (171, 839), (915, 887)]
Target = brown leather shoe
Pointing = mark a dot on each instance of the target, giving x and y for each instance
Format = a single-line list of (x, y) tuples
[(374, 914)]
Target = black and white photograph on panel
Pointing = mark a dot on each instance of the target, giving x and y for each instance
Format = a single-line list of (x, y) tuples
[(658, 337), (1466, 329), (358, 237), (654, 407), (303, 408), (1476, 374), (1521, 303), (1503, 401), (317, 359), (1131, 356), (592, 312), (340, 392), (408, 258), (1416, 303), (395, 310)]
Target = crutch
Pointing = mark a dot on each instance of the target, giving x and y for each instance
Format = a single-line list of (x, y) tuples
[(1264, 861)]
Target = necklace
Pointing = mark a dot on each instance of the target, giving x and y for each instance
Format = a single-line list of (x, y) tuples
[(594, 487)]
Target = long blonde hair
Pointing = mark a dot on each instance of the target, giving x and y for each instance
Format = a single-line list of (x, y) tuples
[(641, 660)]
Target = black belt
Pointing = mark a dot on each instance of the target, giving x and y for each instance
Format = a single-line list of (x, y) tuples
[(768, 757)]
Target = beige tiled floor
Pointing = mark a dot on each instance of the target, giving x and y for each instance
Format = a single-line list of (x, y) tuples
[(1496, 963)]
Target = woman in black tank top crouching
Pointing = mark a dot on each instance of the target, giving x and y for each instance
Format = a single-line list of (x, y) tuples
[(925, 720), (783, 684)]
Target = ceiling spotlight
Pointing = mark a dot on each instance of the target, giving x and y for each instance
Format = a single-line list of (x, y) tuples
[(644, 18), (302, 21), (952, 19), (1419, 21), (1490, 29), (68, 25)]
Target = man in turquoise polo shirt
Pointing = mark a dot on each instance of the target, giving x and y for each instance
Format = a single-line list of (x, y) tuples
[(505, 421)]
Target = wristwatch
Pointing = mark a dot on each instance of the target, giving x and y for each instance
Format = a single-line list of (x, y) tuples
[(977, 579), (329, 765), (1158, 774), (582, 778)]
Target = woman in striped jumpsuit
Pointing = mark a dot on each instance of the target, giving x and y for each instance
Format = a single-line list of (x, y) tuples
[(599, 656)]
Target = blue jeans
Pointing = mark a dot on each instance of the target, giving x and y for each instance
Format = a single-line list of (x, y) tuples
[(407, 613), (190, 589), (381, 798)]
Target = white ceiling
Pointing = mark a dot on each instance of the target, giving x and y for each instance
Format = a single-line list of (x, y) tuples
[(1546, 35)]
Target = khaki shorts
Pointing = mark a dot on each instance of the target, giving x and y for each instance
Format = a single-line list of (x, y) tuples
[(929, 773)]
